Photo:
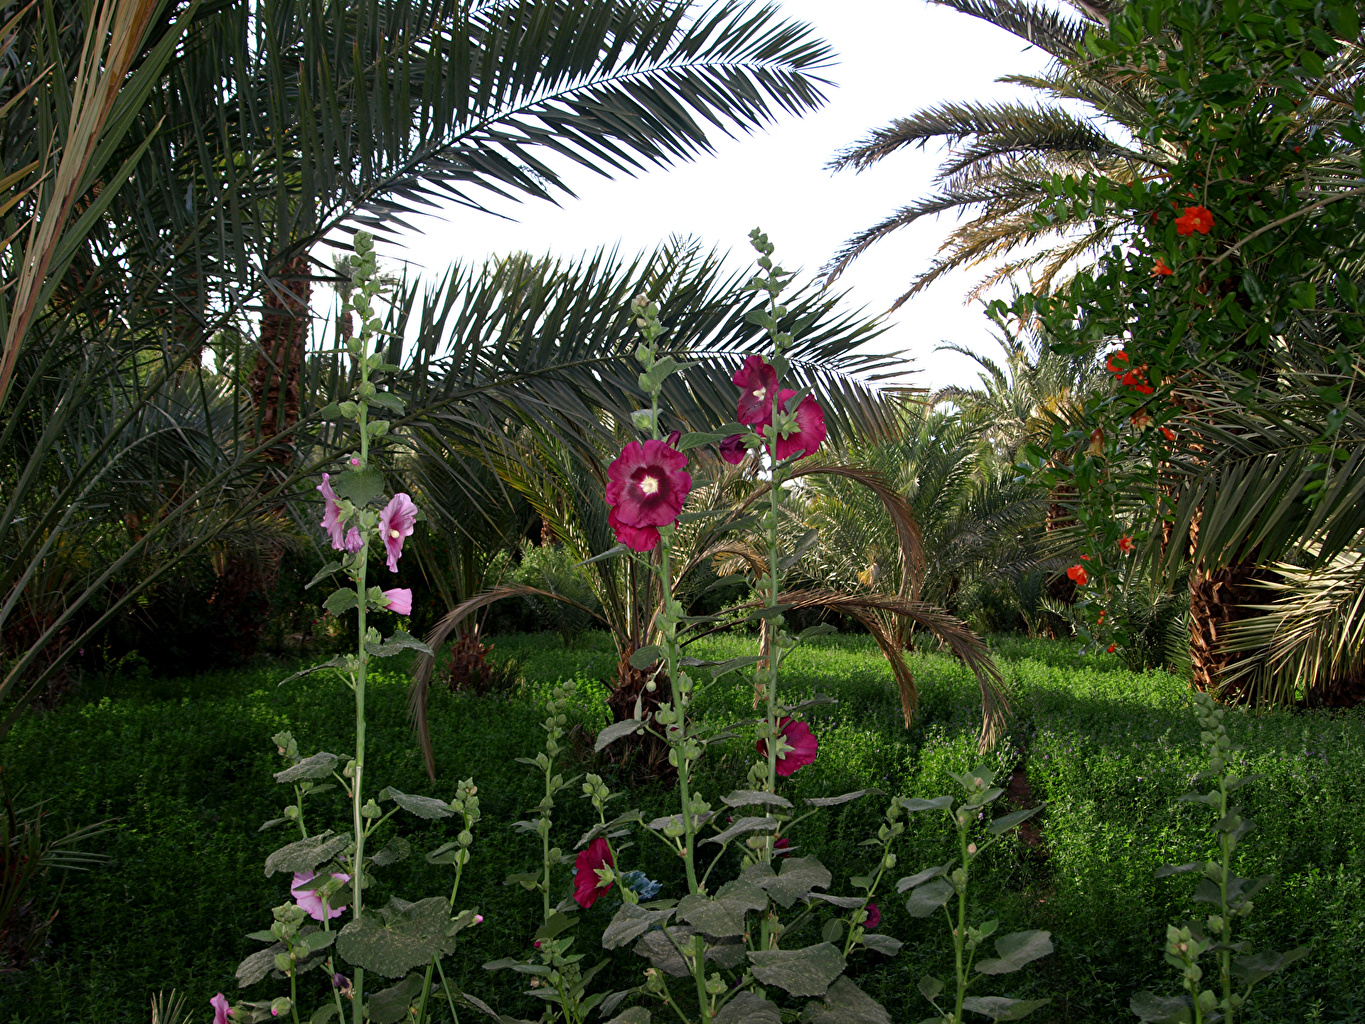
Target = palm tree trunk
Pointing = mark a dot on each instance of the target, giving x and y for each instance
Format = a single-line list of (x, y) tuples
[(1218, 599), (274, 382)]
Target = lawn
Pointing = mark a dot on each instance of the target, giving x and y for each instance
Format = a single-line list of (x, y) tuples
[(182, 769)]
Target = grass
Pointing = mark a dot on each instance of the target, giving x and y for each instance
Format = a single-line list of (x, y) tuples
[(182, 768)]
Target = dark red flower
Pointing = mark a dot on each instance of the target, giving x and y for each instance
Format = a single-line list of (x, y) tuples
[(1131, 379), (758, 381), (781, 844), (1078, 575), (733, 449), (1161, 270), (1195, 218), (648, 485), (587, 886), (804, 747), (810, 427), (637, 538), (874, 916), (1117, 361)]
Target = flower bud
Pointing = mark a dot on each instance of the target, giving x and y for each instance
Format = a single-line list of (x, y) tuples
[(465, 838), (280, 1005), (284, 962)]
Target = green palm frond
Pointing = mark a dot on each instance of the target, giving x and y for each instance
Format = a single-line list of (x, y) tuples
[(1043, 26)]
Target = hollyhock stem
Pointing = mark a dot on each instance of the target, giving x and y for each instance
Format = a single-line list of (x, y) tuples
[(670, 645)]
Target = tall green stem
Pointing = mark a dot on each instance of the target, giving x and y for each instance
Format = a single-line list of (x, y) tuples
[(362, 658)]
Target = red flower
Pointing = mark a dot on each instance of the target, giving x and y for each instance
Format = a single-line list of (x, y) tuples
[(647, 487), (1161, 270), (805, 746), (1170, 434), (874, 916), (1138, 384), (758, 381), (810, 427), (1121, 358), (1085, 558), (1196, 218), (1126, 544), (782, 843), (733, 449), (1078, 575), (587, 885), (1109, 649)]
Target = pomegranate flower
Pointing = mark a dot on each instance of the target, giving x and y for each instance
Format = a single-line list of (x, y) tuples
[(647, 485), (400, 600), (395, 523), (309, 899), (810, 427), (588, 881), (733, 449), (1078, 575), (1196, 218), (804, 746), (1126, 544), (874, 916), (221, 1010), (1117, 362), (758, 381), (342, 540), (1161, 270)]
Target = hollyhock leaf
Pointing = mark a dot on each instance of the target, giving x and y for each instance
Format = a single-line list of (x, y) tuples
[(395, 849), (798, 877), (748, 1008), (884, 944), (322, 574), (630, 922), (846, 1003), (1000, 1008), (754, 798), (733, 665), (359, 486), (661, 370), (1252, 969), (402, 936), (631, 1015), (658, 949), (1152, 1009), (711, 917), (611, 1002), (339, 601), (938, 803), (422, 806), (323, 1014), (834, 801), (799, 972), (676, 819), (306, 854), (929, 897), (842, 902), (556, 925), (397, 644), (930, 987), (614, 732), (743, 826), (1016, 950), (1002, 825), (646, 656), (316, 767), (390, 1005), (388, 401), (924, 876), (727, 953), (258, 965), (697, 439)]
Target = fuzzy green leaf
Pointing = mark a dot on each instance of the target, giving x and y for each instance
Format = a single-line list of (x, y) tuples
[(306, 854), (800, 972)]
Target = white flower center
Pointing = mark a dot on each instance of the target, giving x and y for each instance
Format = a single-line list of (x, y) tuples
[(760, 394), (649, 485), (394, 534)]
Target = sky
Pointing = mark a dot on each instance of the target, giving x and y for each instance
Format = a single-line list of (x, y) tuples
[(894, 57)]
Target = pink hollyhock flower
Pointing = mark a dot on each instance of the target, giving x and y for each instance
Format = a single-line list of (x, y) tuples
[(758, 380), (810, 427), (587, 885), (636, 538), (400, 600), (342, 540), (733, 449), (395, 523), (221, 1010), (648, 484), (804, 747), (782, 843), (309, 899), (874, 916)]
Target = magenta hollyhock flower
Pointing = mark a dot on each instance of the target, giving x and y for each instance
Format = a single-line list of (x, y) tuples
[(733, 449), (782, 843), (874, 916), (221, 1010), (342, 539), (587, 886), (634, 537), (309, 899), (810, 427), (400, 600), (395, 523), (804, 747), (757, 380), (648, 484)]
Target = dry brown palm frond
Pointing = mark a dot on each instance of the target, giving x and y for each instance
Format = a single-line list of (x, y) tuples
[(420, 687), (952, 631)]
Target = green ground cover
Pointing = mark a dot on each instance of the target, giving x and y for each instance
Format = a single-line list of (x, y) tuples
[(182, 767)]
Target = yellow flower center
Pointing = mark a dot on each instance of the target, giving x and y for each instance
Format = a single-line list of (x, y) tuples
[(649, 485), (394, 534)]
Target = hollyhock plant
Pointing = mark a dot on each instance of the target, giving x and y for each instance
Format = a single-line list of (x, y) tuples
[(733, 449), (309, 899), (804, 747), (342, 539), (810, 427), (757, 381), (588, 884), (396, 522), (1195, 218), (874, 916), (637, 538), (400, 600), (648, 484), (221, 1010)]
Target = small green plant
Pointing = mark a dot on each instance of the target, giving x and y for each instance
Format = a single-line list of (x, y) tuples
[(935, 887), (1231, 894)]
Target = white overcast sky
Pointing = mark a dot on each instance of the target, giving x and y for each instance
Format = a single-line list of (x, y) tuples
[(893, 57)]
